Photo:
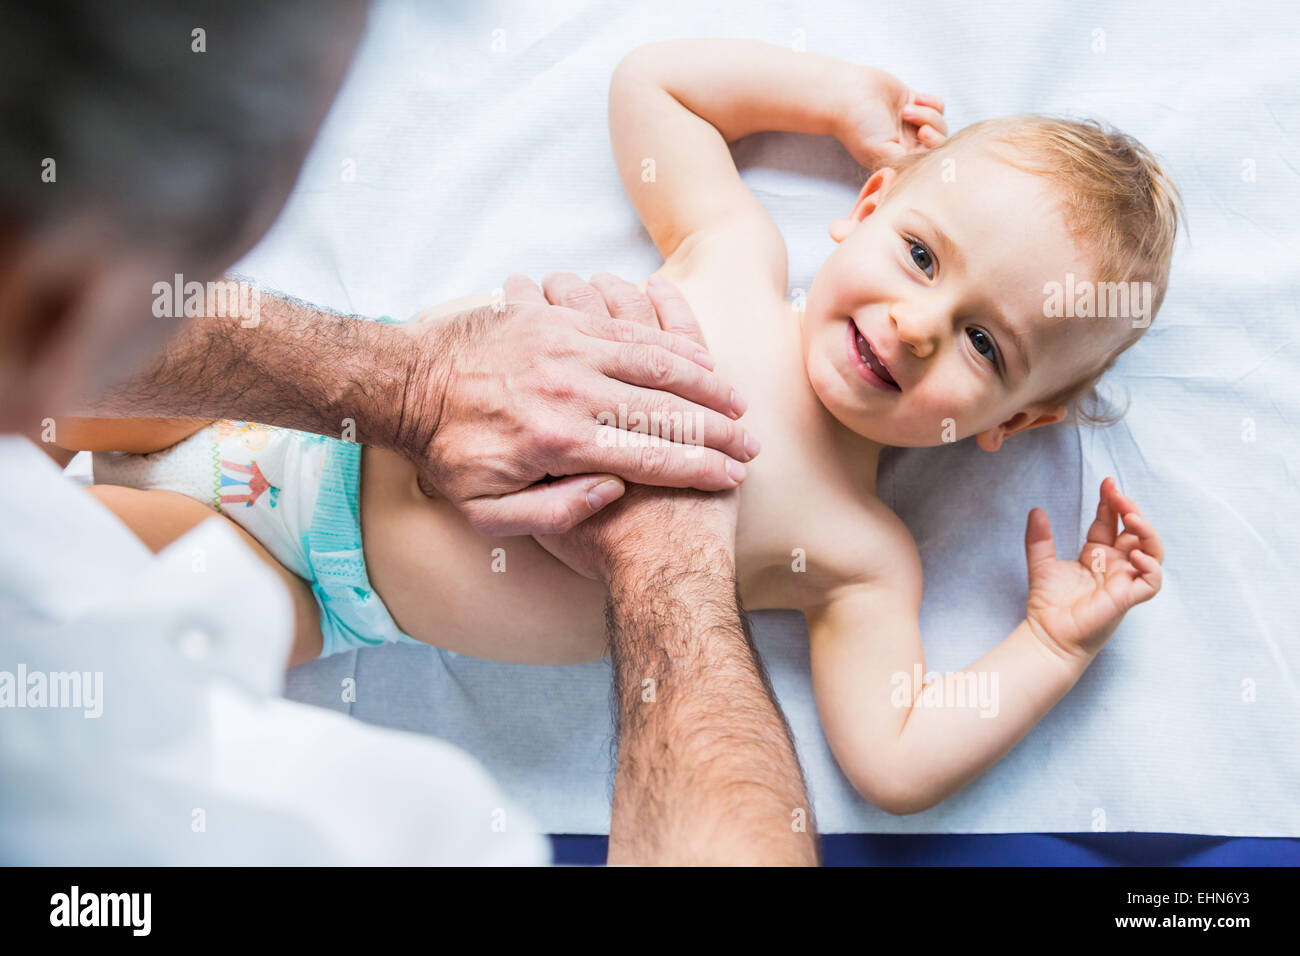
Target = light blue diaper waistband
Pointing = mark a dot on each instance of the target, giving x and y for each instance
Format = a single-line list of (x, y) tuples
[(352, 614)]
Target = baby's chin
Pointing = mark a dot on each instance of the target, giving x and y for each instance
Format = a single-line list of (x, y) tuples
[(830, 392)]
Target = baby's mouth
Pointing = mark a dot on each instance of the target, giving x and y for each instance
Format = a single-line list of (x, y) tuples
[(868, 366)]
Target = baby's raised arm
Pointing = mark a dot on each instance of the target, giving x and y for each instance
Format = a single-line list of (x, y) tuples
[(906, 745), (674, 106)]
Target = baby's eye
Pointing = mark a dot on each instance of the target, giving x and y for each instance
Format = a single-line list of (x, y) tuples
[(982, 341), (921, 256)]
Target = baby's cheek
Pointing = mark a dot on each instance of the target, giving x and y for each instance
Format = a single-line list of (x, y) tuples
[(936, 419), (851, 293), (841, 283), (821, 375)]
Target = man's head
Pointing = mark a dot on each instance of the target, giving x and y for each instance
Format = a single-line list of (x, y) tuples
[(964, 271), (141, 142)]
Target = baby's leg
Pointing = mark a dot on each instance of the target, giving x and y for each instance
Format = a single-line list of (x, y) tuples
[(160, 517), (140, 436)]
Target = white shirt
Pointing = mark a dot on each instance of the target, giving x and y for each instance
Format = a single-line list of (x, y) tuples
[(170, 742)]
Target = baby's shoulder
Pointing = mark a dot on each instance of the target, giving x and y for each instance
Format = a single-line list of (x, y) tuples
[(735, 254), (845, 544), (871, 544)]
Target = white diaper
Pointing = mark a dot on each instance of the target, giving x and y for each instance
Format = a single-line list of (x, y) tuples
[(296, 493)]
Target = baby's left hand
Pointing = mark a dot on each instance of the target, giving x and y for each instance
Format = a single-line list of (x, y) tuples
[(884, 120), (1076, 605)]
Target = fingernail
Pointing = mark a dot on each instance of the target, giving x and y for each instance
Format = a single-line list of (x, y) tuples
[(705, 359), (751, 446), (735, 470), (602, 494), (738, 404)]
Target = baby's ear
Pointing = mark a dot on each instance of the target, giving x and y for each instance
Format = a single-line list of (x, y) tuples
[(868, 201), (991, 439)]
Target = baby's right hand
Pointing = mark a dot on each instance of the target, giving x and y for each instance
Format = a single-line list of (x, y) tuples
[(883, 120), (1075, 606)]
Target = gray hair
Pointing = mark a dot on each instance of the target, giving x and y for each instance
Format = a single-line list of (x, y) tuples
[(181, 148)]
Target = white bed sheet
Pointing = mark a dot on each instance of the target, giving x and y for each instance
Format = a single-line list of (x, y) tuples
[(477, 139)]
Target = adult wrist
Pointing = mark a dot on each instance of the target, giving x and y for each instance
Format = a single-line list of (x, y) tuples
[(404, 413), (694, 577), (678, 535)]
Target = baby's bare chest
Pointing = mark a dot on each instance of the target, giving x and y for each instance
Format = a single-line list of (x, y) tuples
[(799, 538), (809, 518)]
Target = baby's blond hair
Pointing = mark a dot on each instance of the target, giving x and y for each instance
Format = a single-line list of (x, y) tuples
[(1118, 201)]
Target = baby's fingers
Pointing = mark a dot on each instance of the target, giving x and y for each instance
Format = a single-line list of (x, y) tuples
[(930, 100), (1040, 548), (1137, 529), (1129, 591), (1102, 529), (925, 116), (931, 128), (1148, 538), (930, 138)]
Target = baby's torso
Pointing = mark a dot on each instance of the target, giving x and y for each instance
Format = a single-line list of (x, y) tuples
[(808, 506), (809, 517)]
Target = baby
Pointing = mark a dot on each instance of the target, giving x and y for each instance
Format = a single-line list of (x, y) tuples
[(931, 321)]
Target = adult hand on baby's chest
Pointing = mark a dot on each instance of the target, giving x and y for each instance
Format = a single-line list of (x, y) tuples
[(503, 398)]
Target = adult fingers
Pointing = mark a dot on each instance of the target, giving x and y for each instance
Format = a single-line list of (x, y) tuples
[(649, 366), (675, 314), (520, 288), (624, 300), (642, 411), (648, 460), (620, 330), (566, 289), (550, 508)]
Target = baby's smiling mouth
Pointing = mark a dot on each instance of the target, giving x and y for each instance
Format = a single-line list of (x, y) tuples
[(867, 364)]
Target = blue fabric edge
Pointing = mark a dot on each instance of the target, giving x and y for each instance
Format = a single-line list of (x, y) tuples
[(1010, 849)]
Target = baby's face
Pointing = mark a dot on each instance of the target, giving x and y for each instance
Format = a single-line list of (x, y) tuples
[(942, 281)]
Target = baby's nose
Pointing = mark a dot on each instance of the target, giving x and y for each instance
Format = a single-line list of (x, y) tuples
[(919, 328)]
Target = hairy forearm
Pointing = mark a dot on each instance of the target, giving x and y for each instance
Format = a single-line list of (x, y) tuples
[(961, 724), (707, 772), (290, 364), (744, 86)]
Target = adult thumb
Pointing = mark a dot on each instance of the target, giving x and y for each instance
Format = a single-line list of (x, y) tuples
[(550, 508)]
